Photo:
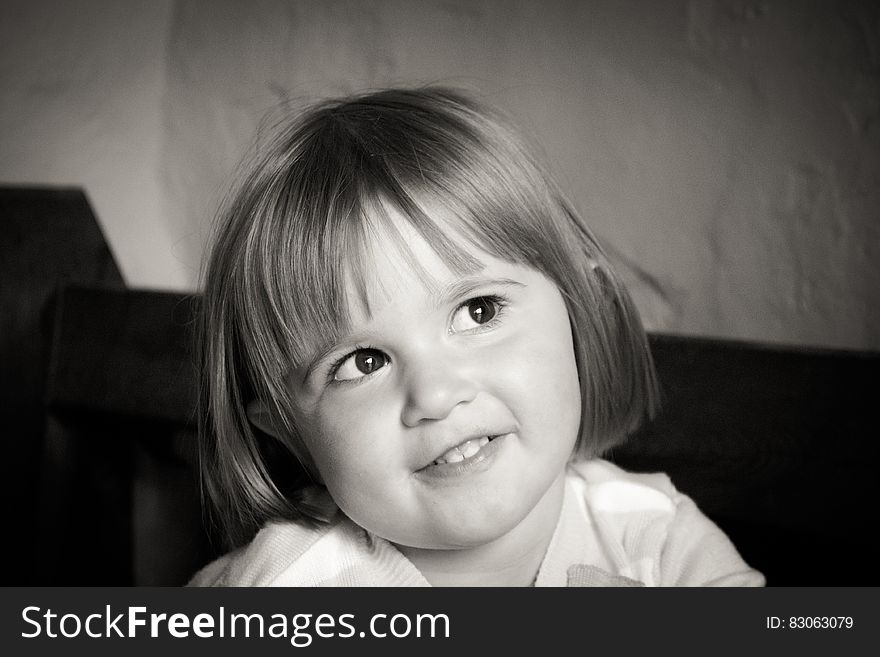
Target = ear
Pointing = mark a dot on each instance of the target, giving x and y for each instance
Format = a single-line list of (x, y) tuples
[(260, 416)]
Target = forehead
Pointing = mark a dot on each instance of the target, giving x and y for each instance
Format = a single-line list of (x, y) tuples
[(389, 253), (398, 259)]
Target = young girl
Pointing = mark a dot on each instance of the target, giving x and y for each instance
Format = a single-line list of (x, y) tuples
[(414, 353)]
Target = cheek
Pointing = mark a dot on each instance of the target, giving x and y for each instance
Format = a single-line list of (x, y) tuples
[(349, 440), (541, 378), (555, 384)]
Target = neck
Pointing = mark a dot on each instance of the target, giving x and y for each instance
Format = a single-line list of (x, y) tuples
[(512, 559)]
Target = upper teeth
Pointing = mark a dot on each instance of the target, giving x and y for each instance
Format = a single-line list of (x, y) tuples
[(463, 451)]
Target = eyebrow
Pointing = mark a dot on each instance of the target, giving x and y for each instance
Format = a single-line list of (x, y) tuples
[(445, 295), (467, 286)]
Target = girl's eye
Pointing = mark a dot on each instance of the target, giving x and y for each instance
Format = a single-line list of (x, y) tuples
[(360, 363), (474, 313)]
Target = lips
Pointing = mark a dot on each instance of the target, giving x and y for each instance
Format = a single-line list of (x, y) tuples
[(463, 451), (453, 466), (469, 446)]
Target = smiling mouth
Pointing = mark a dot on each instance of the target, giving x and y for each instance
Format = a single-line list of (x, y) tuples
[(464, 451), (471, 457)]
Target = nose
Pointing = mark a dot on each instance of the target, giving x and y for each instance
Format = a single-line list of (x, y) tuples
[(434, 386)]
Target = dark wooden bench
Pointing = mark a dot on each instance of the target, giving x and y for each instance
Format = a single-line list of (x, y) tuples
[(777, 445)]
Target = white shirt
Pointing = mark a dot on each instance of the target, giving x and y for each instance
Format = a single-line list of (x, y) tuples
[(615, 529)]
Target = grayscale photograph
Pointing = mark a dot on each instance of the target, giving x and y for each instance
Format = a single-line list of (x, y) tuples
[(438, 293)]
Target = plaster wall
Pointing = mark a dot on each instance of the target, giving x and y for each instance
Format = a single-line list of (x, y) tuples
[(726, 151), (82, 84)]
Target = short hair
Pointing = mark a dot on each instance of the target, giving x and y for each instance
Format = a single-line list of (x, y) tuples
[(295, 228)]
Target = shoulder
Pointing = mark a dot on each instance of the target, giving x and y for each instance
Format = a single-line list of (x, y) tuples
[(277, 546), (615, 489), (335, 554), (654, 532)]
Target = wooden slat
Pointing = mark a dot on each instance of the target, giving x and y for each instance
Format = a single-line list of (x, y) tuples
[(127, 352), (777, 444), (49, 237)]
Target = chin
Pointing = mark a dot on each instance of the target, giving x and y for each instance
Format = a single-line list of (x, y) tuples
[(471, 532)]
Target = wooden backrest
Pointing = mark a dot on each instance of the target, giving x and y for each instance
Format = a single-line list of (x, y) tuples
[(120, 458), (49, 237), (777, 445), (774, 444)]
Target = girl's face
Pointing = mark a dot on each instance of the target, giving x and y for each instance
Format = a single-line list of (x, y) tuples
[(451, 409)]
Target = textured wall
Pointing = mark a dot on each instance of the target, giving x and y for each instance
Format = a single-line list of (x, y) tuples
[(81, 89), (726, 151)]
